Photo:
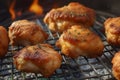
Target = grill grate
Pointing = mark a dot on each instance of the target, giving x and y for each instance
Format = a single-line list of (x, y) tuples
[(81, 68)]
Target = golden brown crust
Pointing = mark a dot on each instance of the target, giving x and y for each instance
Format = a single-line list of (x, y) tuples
[(4, 41), (40, 58), (24, 32), (74, 13), (112, 30), (80, 41), (116, 65)]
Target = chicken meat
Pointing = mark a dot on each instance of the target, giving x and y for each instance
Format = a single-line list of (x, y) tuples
[(40, 58), (74, 13), (24, 32), (112, 30), (116, 65), (4, 41), (80, 41)]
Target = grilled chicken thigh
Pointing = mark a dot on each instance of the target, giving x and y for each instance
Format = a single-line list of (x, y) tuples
[(80, 41), (4, 41), (112, 30), (74, 13), (116, 65), (24, 32), (41, 58)]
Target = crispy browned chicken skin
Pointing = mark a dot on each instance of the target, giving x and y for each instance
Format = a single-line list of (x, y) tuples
[(80, 41), (24, 32), (116, 65), (112, 30), (74, 13), (4, 41), (40, 58)]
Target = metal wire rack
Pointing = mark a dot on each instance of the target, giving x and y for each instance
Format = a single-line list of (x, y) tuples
[(81, 68)]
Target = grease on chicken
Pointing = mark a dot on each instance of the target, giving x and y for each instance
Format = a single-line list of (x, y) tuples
[(24, 32), (116, 65), (40, 58), (4, 41), (80, 41), (112, 30), (74, 13)]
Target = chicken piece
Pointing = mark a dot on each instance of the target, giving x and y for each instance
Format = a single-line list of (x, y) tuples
[(80, 41), (116, 65), (63, 18), (4, 41), (24, 32), (112, 30), (41, 58)]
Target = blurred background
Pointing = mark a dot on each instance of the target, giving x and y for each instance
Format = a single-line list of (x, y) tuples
[(16, 8)]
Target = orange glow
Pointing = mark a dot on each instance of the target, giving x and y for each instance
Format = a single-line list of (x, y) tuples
[(11, 10), (19, 13), (36, 8)]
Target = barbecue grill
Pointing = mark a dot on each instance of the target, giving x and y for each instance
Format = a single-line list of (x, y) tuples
[(82, 68)]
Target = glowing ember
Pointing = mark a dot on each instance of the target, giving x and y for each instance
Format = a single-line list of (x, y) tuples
[(11, 10), (36, 8)]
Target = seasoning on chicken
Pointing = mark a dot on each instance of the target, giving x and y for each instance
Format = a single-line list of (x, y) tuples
[(24, 32), (74, 13), (41, 58), (112, 30), (4, 41), (116, 65), (80, 41)]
